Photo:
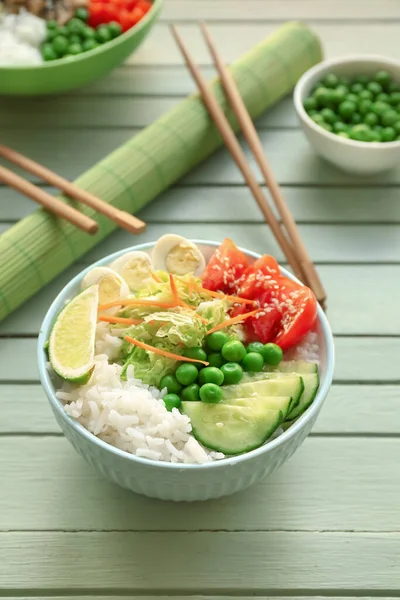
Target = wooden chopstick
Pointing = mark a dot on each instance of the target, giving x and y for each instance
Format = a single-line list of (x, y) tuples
[(250, 133), (59, 208), (238, 155), (120, 217)]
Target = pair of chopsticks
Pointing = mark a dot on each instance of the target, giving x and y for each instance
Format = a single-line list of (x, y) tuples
[(287, 236), (56, 206)]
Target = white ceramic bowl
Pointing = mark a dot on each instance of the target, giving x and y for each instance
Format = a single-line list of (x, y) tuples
[(170, 481), (360, 158)]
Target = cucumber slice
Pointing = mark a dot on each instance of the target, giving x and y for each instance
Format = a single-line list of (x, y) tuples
[(281, 403), (294, 366), (311, 385), (231, 429), (280, 384)]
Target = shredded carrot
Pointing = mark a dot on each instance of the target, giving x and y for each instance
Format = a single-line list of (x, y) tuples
[(155, 277), (122, 320), (233, 321), (225, 296), (134, 302), (174, 290), (162, 352)]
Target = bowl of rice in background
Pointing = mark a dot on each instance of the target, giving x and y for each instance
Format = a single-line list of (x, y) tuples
[(206, 476), (27, 76)]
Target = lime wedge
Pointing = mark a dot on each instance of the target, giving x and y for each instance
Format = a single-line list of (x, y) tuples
[(71, 343)]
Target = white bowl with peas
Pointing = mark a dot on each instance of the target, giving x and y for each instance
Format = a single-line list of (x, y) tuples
[(349, 109)]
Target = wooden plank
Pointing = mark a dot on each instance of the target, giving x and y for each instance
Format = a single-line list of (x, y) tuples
[(94, 112), (227, 563), (349, 410), (375, 285), (254, 10), (213, 204), (291, 157), (365, 359), (43, 490), (325, 243), (192, 597), (235, 39)]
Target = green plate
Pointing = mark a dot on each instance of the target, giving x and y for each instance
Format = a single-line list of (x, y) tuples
[(75, 71)]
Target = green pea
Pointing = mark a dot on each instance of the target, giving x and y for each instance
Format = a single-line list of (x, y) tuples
[(318, 118), (233, 373), (330, 80), (75, 25), (374, 136), (63, 30), (328, 115), (394, 98), (216, 340), (379, 108), (186, 374), (89, 45), (374, 87), (389, 118), (338, 95), (364, 106), (339, 126), (82, 14), (171, 383), (353, 98), (253, 361), (115, 29), (88, 33), (74, 39), (310, 103), (51, 34), (51, 24), (60, 45), (255, 347), (103, 34), (312, 112), (396, 126), (171, 401), (361, 78), (215, 360), (383, 78), (371, 119), (344, 81), (359, 133), (272, 354), (346, 109), (233, 351), (74, 49), (196, 353), (365, 95), (211, 375), (191, 393), (356, 88), (393, 86), (388, 134), (343, 134), (326, 126), (383, 97), (322, 96), (48, 52), (209, 392), (356, 118)]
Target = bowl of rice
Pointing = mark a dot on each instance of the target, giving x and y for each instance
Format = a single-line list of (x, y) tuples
[(121, 427), (23, 72)]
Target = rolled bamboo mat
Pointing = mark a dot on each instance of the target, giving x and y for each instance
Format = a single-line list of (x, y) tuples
[(40, 246)]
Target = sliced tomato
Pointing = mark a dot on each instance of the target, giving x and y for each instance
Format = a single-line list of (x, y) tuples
[(258, 276), (225, 268), (299, 313)]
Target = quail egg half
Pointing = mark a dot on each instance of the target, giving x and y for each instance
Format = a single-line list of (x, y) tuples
[(177, 255), (111, 285), (136, 269)]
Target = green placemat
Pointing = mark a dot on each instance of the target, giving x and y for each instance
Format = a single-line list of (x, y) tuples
[(40, 246)]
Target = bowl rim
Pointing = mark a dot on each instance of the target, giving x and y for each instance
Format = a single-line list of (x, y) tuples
[(57, 407), (321, 68), (156, 6)]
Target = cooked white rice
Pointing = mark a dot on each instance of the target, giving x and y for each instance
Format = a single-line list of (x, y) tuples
[(132, 416), (20, 39)]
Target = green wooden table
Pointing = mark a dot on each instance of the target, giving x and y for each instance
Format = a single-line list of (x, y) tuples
[(327, 523)]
